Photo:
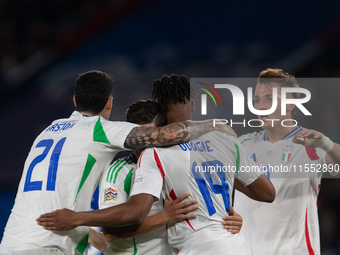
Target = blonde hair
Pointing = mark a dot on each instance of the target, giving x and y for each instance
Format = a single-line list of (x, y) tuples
[(278, 76), (281, 78)]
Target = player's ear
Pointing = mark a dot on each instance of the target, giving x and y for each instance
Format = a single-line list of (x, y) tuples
[(109, 103), (192, 105), (74, 101)]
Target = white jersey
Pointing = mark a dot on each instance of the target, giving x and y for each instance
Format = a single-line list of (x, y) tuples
[(198, 167), (290, 224), (114, 189), (62, 170)]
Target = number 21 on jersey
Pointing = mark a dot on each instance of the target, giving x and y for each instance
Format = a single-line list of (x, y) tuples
[(202, 181), (53, 166)]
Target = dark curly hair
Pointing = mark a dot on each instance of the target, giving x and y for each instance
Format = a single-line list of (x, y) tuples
[(146, 112), (171, 90)]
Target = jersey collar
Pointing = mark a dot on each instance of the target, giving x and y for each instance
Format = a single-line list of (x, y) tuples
[(287, 136), (133, 158), (77, 114)]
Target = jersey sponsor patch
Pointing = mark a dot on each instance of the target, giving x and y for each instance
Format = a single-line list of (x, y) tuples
[(139, 179), (287, 153), (111, 195), (269, 153)]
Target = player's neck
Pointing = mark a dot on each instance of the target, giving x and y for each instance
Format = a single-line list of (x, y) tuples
[(137, 152), (178, 112), (276, 133), (173, 116), (89, 114)]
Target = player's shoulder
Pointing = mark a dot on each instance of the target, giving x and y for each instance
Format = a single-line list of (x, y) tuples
[(215, 135), (246, 138), (120, 168), (219, 138), (225, 138), (71, 123), (116, 123), (165, 149), (123, 162), (166, 153), (98, 122)]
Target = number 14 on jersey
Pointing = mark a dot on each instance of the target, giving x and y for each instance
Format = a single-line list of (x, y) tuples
[(202, 181)]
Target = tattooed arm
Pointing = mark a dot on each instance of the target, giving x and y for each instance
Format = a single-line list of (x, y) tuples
[(174, 133)]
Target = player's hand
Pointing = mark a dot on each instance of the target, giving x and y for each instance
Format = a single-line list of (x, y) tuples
[(308, 138), (224, 128), (61, 220), (233, 223), (177, 210), (313, 139), (97, 240)]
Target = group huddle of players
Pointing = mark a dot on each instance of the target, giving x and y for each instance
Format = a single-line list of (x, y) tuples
[(163, 199)]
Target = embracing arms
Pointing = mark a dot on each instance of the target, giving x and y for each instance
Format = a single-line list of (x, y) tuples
[(175, 133), (132, 212)]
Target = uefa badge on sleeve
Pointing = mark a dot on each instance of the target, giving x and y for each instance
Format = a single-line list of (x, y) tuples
[(139, 179), (111, 195), (287, 153)]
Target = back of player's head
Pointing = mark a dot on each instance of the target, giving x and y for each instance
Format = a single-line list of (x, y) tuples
[(172, 89), (145, 112), (92, 90)]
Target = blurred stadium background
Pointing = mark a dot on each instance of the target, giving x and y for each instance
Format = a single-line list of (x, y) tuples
[(44, 45)]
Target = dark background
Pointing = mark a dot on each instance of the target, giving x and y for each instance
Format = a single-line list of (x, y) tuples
[(44, 45)]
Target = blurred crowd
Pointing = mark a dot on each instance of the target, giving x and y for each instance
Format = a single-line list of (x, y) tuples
[(27, 26)]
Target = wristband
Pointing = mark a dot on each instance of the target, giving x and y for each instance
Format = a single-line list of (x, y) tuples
[(325, 143)]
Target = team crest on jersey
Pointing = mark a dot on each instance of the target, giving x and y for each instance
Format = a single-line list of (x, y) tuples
[(287, 153), (111, 195)]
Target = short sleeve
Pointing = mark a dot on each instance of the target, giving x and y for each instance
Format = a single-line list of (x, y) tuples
[(112, 190), (247, 171), (148, 178), (112, 132), (248, 137)]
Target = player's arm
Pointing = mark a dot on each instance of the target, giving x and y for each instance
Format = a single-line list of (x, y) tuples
[(175, 133), (249, 179), (132, 212), (173, 212), (333, 158), (260, 190), (314, 139)]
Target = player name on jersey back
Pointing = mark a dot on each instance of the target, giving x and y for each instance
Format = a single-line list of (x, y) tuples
[(60, 126), (202, 146)]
